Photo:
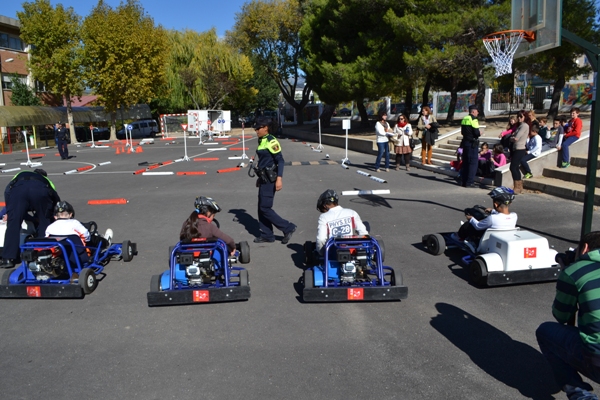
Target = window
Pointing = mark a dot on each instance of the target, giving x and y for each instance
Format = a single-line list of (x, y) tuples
[(40, 86), (11, 42), (7, 81), (143, 125)]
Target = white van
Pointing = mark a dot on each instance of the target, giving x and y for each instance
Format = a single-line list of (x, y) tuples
[(140, 129)]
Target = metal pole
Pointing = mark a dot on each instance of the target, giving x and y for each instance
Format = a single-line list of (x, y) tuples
[(592, 164)]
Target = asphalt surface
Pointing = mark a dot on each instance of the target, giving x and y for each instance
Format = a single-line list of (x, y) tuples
[(448, 339)]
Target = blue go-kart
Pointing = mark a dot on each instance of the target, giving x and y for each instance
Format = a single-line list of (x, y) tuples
[(351, 270), (200, 271), (61, 267)]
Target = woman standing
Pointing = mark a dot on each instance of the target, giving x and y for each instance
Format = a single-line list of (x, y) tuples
[(270, 170), (519, 141), (404, 133), (426, 135), (383, 131)]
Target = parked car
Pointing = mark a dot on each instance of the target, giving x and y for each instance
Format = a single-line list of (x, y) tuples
[(140, 129), (345, 112)]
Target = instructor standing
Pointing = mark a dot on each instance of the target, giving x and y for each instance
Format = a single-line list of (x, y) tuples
[(269, 167), (27, 191), (469, 129), (62, 141)]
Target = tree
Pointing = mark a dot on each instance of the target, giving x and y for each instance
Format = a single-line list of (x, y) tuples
[(124, 56), (352, 52), (56, 52), (206, 72), (558, 64), (22, 95), (269, 31)]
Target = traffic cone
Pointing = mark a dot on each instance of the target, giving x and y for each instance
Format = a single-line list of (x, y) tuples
[(129, 150), (139, 150), (118, 152)]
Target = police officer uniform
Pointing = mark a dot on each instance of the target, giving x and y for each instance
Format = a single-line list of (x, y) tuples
[(270, 169), (27, 191), (469, 129), (61, 138)]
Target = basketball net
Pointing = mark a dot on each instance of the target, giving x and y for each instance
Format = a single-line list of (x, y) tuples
[(502, 47)]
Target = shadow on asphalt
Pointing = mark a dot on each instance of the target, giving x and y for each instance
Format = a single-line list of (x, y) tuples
[(513, 363), (248, 221)]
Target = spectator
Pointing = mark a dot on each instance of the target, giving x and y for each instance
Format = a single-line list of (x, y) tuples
[(533, 149), (499, 159), (572, 133), (404, 133), (427, 131), (544, 132), (383, 131), (573, 350), (510, 129), (519, 141)]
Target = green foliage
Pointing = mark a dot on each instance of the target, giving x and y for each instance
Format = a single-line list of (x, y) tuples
[(269, 32), (124, 55), (205, 72), (22, 95)]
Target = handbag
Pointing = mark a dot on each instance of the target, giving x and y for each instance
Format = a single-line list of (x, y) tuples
[(414, 142)]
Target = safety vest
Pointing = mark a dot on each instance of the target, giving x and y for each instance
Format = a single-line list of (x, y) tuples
[(469, 121), (269, 142), (39, 177)]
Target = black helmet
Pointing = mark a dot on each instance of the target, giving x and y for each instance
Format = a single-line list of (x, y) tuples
[(204, 204), (327, 197), (63, 206), (502, 194)]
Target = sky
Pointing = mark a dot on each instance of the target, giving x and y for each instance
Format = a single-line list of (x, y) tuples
[(197, 15)]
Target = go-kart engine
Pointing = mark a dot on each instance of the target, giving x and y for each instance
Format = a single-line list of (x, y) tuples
[(199, 269), (45, 264), (353, 263)]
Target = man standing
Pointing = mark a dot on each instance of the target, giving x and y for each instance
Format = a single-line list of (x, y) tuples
[(572, 350), (469, 129), (27, 191), (62, 137)]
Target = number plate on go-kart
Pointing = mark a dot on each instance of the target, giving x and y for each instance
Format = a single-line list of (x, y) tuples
[(34, 291), (356, 294), (201, 296)]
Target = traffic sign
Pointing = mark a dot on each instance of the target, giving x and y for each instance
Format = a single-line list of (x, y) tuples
[(518, 91), (209, 122), (184, 126), (129, 127)]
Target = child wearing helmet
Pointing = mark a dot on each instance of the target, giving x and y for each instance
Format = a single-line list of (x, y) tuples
[(199, 223), (336, 220), (65, 224), (499, 217)]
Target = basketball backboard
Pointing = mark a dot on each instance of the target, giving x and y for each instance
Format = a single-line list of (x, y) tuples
[(544, 18)]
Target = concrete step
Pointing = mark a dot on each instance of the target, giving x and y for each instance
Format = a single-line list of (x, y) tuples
[(448, 152), (571, 174), (559, 188), (581, 161), (447, 146)]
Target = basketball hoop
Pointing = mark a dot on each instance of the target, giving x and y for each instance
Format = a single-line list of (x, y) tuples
[(502, 47)]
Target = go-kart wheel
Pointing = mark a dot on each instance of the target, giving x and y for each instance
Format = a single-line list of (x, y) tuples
[(87, 280), (396, 277), (382, 248), (435, 244), (309, 249), (6, 276), (244, 278), (127, 251), (478, 272), (155, 283), (309, 280), (244, 252)]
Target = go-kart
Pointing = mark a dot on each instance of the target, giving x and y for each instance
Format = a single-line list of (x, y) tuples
[(351, 269), (200, 271), (501, 256), (61, 267)]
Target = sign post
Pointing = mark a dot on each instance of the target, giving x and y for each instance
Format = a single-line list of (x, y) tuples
[(130, 142), (185, 157), (92, 133), (346, 127)]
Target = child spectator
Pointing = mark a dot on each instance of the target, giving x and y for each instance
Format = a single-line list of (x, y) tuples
[(533, 148), (199, 223), (485, 153), (499, 159), (510, 129), (457, 165), (572, 133), (556, 134), (544, 132), (484, 165)]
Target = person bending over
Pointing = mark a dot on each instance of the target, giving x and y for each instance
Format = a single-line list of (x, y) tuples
[(573, 349), (199, 223), (499, 217), (336, 220)]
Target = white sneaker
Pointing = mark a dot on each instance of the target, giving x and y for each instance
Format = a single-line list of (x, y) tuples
[(108, 236)]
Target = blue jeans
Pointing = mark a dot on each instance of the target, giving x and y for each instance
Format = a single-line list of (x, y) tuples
[(565, 148), (383, 148), (525, 164), (563, 348)]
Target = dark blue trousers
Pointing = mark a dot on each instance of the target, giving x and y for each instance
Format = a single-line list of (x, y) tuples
[(63, 149), (267, 217), (470, 160), (26, 195)]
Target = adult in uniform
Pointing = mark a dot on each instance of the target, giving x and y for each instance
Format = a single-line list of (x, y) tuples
[(27, 191), (61, 138), (270, 163), (469, 129)]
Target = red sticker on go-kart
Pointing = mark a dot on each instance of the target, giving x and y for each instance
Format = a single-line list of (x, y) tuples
[(201, 296), (530, 252), (34, 291), (356, 294)]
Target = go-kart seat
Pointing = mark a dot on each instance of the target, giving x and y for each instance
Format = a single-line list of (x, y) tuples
[(486, 236), (80, 249)]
